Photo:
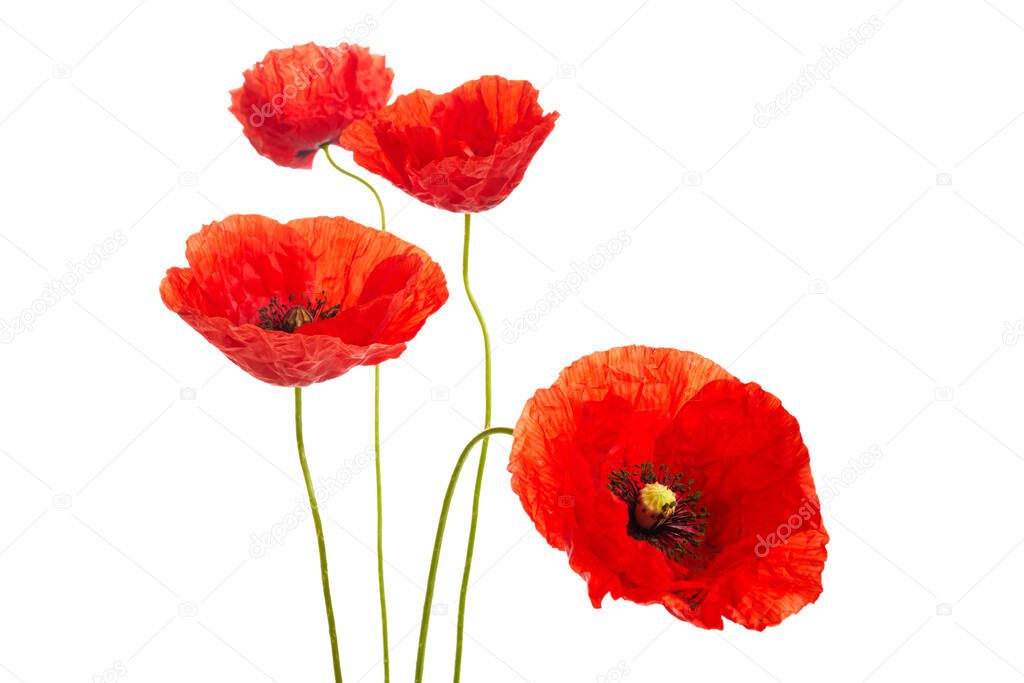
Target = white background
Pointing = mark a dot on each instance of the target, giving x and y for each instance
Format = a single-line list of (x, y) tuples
[(824, 255)]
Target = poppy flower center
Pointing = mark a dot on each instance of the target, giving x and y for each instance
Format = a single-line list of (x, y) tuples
[(663, 509), (296, 312), (654, 506)]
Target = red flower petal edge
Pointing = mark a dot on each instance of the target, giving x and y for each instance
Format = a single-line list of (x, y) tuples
[(463, 151), (667, 480), (301, 97), (305, 301)]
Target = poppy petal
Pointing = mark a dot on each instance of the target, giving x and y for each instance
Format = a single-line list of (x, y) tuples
[(298, 98), (735, 459), (367, 292), (462, 151)]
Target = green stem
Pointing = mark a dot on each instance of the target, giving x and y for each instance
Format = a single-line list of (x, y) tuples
[(471, 543), (327, 152), (439, 537), (319, 534), (380, 524), (376, 449)]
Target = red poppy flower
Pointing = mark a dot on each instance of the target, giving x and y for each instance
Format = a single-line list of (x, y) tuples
[(300, 97), (463, 151), (304, 301), (667, 480)]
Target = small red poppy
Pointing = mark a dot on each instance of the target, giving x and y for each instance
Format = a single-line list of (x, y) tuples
[(463, 151), (301, 97), (304, 301), (667, 480)]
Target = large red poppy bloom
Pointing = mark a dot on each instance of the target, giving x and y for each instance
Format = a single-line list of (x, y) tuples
[(667, 480), (301, 97), (304, 301), (463, 151)]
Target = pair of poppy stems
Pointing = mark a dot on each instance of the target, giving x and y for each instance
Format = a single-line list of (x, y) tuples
[(303, 302)]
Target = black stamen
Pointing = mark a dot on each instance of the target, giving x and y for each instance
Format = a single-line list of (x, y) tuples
[(680, 535), (299, 310)]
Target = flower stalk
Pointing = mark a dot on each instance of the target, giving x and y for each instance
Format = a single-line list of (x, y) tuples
[(376, 449), (321, 546), (474, 519), (439, 537)]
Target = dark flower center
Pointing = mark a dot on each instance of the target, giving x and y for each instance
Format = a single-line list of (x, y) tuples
[(299, 310), (663, 509)]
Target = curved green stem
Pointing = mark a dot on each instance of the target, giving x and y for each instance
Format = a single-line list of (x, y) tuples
[(327, 152), (439, 537), (376, 449), (471, 543), (319, 534)]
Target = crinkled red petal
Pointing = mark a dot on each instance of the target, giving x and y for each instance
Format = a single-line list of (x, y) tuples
[(301, 97), (463, 151), (385, 288), (616, 409)]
